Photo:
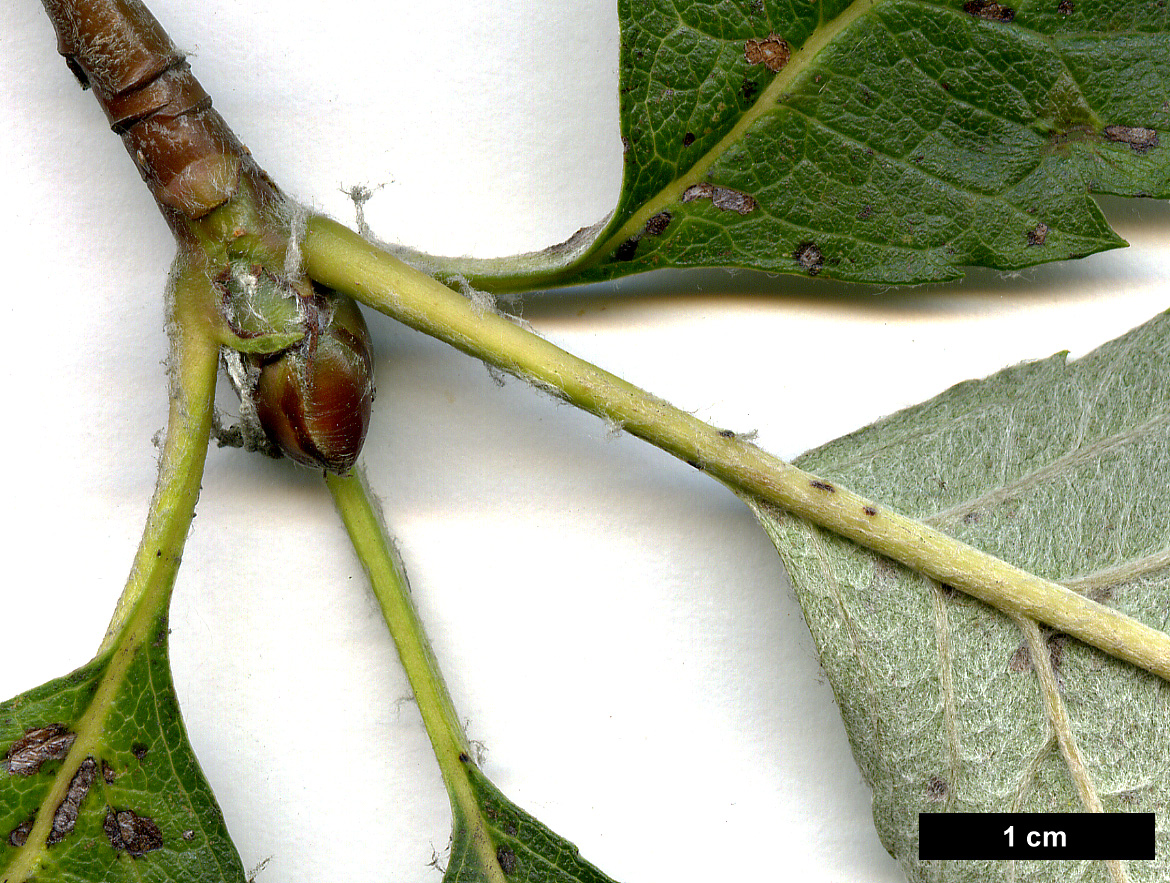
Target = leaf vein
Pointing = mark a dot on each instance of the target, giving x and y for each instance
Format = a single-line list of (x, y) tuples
[(830, 581), (946, 686), (1097, 584), (225, 873), (911, 57), (1029, 773), (1051, 469), (1056, 712)]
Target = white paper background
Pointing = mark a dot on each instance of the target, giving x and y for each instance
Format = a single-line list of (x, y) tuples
[(615, 628)]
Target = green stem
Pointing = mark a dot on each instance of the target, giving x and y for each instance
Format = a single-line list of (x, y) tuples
[(194, 363), (387, 577), (388, 580), (340, 259)]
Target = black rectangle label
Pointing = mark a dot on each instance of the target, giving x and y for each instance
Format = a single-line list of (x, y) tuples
[(1042, 836)]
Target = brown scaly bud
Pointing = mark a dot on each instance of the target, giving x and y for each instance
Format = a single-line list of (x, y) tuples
[(313, 401)]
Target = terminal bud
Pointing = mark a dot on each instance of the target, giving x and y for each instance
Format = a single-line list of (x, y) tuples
[(313, 400), (299, 356)]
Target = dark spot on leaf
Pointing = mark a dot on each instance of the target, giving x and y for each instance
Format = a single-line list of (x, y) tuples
[(972, 518), (18, 836), (728, 200), (870, 511), (1056, 645), (748, 89), (66, 815), (36, 746), (758, 7), (723, 198), (772, 52), (1139, 139), (1038, 234), (809, 256), (657, 225), (626, 250), (822, 486), (1065, 7), (866, 212), (129, 832), (507, 859), (989, 10), (1103, 594), (464, 757), (108, 773), (139, 750), (1021, 660), (688, 139), (937, 789)]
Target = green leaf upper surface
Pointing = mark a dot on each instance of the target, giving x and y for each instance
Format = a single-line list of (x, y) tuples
[(900, 142), (1058, 468), (143, 808), (523, 848)]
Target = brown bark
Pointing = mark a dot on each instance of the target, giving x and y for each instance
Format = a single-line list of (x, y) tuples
[(187, 155)]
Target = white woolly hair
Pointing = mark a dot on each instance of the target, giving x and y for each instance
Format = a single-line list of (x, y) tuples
[(295, 218), (481, 301)]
